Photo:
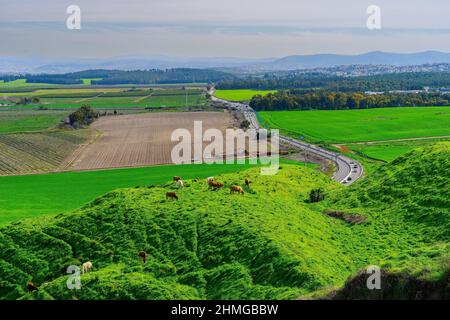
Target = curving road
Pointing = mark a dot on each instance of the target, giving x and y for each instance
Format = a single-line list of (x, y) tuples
[(348, 170)]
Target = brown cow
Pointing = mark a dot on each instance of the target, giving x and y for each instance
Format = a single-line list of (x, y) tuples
[(176, 179), (31, 287), (171, 195), (215, 185), (247, 182), (236, 189), (143, 256)]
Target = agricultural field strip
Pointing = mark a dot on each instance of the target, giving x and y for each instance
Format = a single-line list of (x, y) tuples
[(394, 140), (352, 126), (240, 94), (36, 152), (141, 140), (97, 98), (29, 120)]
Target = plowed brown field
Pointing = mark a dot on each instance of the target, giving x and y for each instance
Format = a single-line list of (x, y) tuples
[(141, 140)]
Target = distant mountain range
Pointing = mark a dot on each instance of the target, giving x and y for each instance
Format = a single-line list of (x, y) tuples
[(45, 65), (372, 58)]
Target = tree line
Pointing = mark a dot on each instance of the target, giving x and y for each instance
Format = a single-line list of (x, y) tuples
[(284, 100), (386, 82), (109, 77)]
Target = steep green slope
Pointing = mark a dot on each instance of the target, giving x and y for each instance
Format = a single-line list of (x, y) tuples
[(409, 197), (259, 245), (267, 244), (414, 188)]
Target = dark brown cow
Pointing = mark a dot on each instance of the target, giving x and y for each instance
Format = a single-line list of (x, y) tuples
[(238, 189), (143, 256), (215, 185), (31, 287), (171, 195), (176, 178), (247, 182)]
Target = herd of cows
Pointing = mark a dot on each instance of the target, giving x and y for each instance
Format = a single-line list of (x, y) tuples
[(212, 183)]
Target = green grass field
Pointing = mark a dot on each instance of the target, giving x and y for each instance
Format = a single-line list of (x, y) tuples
[(88, 82), (25, 121), (34, 195), (21, 83), (362, 125), (269, 243), (241, 94), (389, 151)]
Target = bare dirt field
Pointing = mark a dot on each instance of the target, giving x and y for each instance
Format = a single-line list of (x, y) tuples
[(140, 139)]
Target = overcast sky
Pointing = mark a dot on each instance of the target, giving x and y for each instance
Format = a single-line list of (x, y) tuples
[(226, 28)]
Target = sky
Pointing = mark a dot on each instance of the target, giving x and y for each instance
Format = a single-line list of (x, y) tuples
[(226, 28)]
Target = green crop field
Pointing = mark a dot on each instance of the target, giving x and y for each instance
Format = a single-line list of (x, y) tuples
[(389, 151), (269, 243), (241, 94), (88, 82), (66, 98), (362, 125), (23, 121), (33, 195), (20, 83)]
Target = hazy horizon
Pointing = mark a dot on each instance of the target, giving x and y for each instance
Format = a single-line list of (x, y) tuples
[(201, 28)]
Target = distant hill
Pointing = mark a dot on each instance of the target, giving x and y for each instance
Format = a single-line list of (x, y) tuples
[(43, 65), (371, 58), (267, 244)]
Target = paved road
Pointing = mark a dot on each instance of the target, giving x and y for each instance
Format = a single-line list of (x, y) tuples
[(348, 170)]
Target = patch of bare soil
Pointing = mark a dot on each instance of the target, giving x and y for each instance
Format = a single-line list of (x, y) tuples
[(141, 139), (347, 217)]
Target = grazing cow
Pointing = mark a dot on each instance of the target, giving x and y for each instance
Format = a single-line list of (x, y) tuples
[(180, 184), (210, 179), (215, 185), (238, 189), (31, 287), (176, 179), (171, 195), (143, 255), (247, 182), (86, 267)]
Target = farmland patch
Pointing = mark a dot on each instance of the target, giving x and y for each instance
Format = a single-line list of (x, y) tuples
[(141, 140), (345, 126), (25, 153)]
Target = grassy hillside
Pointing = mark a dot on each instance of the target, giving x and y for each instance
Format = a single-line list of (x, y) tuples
[(267, 244), (344, 126), (45, 194), (414, 188), (30, 196)]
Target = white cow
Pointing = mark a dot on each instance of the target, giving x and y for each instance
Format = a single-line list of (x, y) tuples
[(86, 267), (180, 184)]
